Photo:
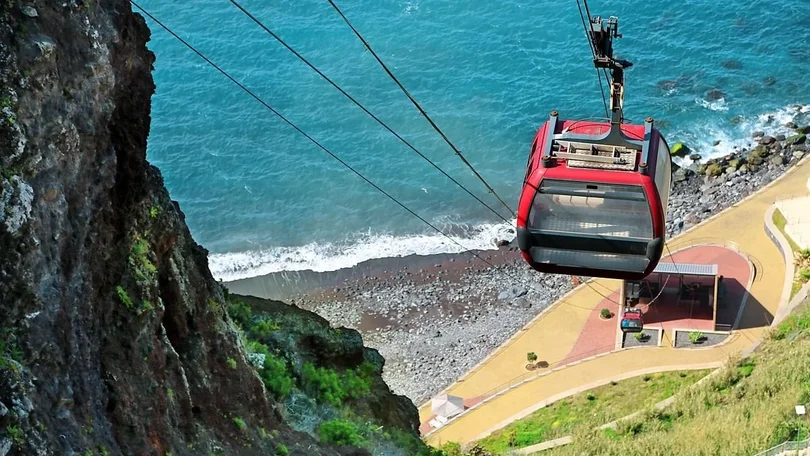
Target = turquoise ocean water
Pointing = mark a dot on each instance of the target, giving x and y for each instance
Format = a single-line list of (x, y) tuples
[(262, 198)]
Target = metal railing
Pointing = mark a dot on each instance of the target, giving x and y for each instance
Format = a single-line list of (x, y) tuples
[(790, 445)]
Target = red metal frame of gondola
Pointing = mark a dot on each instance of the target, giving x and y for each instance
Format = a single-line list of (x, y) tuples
[(643, 176)]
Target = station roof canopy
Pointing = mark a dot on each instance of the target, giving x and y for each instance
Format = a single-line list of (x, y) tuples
[(686, 269)]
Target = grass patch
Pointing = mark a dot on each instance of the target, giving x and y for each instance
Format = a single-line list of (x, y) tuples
[(780, 221), (590, 409), (746, 408), (801, 276)]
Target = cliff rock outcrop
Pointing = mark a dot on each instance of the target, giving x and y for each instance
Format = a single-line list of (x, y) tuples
[(114, 336)]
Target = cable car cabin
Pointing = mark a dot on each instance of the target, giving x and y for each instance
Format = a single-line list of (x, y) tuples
[(632, 322), (594, 199)]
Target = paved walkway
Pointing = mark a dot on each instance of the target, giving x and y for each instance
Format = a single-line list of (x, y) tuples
[(553, 334)]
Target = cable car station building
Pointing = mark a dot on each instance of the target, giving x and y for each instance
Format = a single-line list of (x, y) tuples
[(682, 295)]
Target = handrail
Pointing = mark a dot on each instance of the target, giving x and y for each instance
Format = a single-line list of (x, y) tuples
[(790, 445)]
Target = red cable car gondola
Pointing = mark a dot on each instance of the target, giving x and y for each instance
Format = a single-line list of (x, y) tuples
[(595, 194), (632, 321)]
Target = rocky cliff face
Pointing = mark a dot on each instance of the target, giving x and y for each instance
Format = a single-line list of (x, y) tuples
[(114, 337)]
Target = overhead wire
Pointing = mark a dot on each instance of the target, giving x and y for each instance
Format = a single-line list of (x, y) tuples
[(419, 107), (593, 55), (360, 105), (322, 147), (329, 152), (334, 156)]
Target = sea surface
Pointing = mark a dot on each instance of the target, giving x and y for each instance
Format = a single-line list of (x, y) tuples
[(262, 198)]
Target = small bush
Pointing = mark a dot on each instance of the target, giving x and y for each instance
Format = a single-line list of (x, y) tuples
[(605, 313), (275, 376), (15, 434), (746, 368), (240, 312), (641, 336), (323, 383), (452, 449), (145, 271), (240, 423), (339, 432), (590, 397), (329, 386), (124, 297), (531, 357), (695, 337), (281, 450), (231, 363), (263, 328), (804, 275)]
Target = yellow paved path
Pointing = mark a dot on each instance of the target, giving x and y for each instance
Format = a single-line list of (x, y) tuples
[(553, 334)]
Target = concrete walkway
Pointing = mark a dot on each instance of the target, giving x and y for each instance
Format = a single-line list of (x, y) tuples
[(553, 334)]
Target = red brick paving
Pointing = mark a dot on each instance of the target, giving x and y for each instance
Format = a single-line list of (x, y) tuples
[(598, 336)]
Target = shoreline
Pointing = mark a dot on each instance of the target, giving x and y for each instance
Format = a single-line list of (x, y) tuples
[(434, 317), (292, 284)]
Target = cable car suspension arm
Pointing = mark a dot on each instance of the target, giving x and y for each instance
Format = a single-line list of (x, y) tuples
[(601, 34)]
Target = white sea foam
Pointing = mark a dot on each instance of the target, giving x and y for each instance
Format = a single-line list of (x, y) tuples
[(715, 105), (701, 137), (331, 257)]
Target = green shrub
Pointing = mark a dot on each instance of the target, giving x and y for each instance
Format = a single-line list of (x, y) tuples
[(124, 297), (452, 449), (263, 328), (531, 357), (16, 434), (804, 275), (240, 423), (323, 383), (605, 313), (695, 337), (329, 386), (231, 363), (276, 377), (340, 432), (145, 271), (746, 368), (240, 312), (281, 450)]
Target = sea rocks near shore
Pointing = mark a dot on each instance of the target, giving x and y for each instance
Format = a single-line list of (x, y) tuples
[(706, 188), (432, 325)]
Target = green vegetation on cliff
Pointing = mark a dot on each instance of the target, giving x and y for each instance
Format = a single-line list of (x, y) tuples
[(330, 384)]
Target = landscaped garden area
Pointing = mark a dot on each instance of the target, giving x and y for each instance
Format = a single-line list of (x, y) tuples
[(590, 409)]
